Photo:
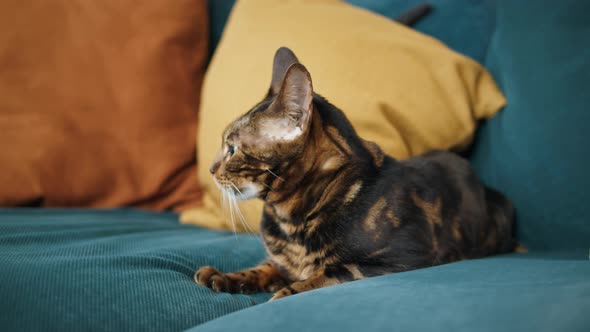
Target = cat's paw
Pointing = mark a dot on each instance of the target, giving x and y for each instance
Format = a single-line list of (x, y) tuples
[(284, 292), (275, 287), (209, 277)]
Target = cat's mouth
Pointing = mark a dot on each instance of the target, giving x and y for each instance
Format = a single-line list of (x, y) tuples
[(242, 193)]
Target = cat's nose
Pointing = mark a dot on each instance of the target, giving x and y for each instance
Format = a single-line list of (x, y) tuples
[(214, 168)]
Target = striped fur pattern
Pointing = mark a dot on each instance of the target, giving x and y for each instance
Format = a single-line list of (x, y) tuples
[(337, 208)]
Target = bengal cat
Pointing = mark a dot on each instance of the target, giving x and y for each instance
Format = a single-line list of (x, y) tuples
[(337, 208)]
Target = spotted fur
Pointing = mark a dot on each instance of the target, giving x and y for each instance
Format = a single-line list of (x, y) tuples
[(337, 208)]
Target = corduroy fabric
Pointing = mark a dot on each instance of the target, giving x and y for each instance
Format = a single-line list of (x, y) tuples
[(126, 270), (547, 291), (113, 270)]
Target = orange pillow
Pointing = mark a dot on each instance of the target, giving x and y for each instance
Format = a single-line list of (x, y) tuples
[(98, 102)]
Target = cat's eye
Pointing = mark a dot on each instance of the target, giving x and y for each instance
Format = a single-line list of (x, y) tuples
[(231, 149)]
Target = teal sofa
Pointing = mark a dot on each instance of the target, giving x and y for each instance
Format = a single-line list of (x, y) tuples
[(131, 270)]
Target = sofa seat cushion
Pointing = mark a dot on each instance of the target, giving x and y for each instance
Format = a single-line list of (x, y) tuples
[(517, 292), (113, 270), (126, 270)]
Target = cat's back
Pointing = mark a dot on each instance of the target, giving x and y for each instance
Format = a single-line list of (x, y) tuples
[(438, 172), (439, 161), (485, 215), (433, 171)]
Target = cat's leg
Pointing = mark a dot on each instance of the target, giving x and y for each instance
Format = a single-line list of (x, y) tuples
[(332, 275), (265, 277)]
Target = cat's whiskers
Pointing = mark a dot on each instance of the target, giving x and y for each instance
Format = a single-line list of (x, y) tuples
[(222, 203), (228, 196), (276, 176), (237, 189), (266, 185), (239, 212), (244, 222)]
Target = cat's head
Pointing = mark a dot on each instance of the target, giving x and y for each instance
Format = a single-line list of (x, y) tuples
[(270, 136)]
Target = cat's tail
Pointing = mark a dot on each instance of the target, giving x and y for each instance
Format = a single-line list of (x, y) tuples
[(502, 214), (413, 15)]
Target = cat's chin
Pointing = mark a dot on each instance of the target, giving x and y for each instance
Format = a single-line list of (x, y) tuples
[(249, 191)]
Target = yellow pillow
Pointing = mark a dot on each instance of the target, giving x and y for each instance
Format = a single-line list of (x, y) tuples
[(405, 91)]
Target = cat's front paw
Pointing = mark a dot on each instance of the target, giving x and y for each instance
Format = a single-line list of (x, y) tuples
[(283, 292), (209, 277)]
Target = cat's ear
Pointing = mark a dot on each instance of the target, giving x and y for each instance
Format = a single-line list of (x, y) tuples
[(291, 110), (296, 95), (284, 58)]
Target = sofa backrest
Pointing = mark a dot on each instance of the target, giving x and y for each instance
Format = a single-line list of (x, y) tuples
[(535, 150)]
